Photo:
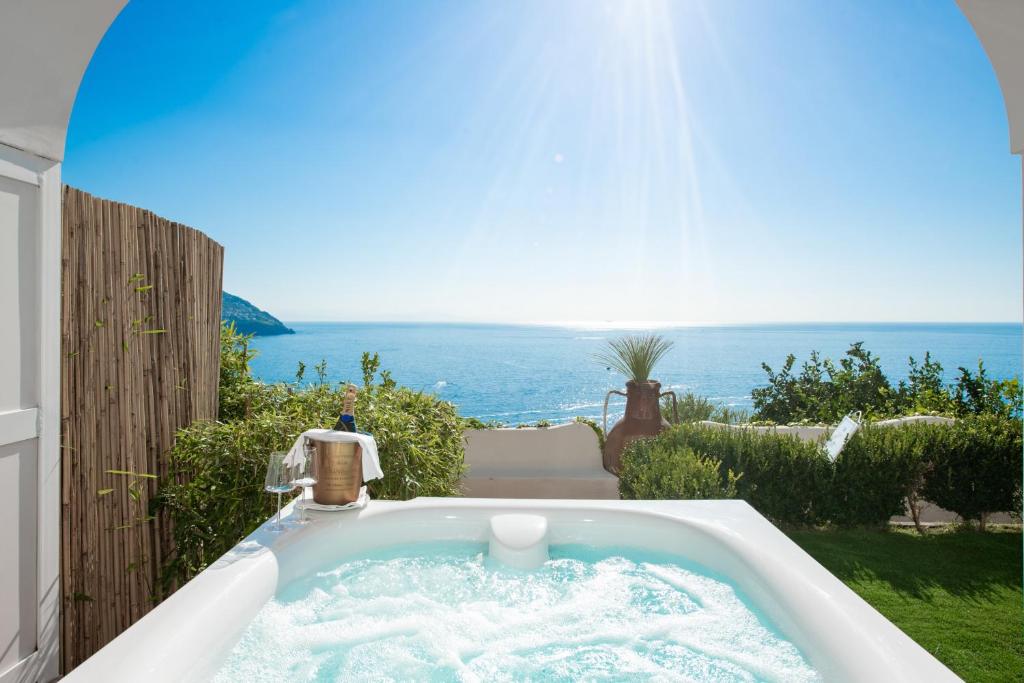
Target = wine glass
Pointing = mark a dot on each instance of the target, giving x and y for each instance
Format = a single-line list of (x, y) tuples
[(279, 480), (305, 476)]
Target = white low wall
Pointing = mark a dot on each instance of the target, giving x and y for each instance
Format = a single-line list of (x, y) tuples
[(565, 462), (549, 462), (821, 432)]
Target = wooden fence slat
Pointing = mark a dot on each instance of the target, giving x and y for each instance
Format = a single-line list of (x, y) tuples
[(124, 394)]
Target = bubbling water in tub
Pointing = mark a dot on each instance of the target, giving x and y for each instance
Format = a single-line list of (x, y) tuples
[(443, 611)]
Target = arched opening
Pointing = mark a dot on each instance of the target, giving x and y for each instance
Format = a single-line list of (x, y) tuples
[(46, 46)]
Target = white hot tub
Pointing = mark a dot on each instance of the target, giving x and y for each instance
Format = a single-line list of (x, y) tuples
[(453, 588)]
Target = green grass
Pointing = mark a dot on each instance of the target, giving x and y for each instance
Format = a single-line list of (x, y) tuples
[(957, 593)]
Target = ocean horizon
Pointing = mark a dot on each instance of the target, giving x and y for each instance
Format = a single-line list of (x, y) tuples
[(524, 372)]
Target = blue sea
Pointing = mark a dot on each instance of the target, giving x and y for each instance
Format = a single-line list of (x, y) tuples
[(525, 373)]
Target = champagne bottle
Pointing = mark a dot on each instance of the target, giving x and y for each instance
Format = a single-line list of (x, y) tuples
[(347, 420)]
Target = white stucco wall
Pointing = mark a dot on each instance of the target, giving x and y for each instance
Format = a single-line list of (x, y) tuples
[(999, 24), (819, 433), (552, 462), (45, 46)]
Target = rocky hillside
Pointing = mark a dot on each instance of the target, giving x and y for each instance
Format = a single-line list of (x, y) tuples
[(248, 319)]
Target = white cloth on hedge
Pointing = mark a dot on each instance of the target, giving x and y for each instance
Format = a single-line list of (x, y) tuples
[(371, 461), (842, 434)]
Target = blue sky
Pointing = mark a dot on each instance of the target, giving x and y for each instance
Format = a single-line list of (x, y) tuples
[(570, 160)]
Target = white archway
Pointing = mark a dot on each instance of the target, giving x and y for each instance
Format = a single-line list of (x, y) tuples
[(45, 47)]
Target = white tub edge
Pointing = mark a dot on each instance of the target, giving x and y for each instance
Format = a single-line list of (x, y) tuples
[(841, 634)]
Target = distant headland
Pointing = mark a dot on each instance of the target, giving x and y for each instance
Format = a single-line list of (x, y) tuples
[(248, 319)]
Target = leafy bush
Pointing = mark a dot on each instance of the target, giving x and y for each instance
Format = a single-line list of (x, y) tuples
[(695, 408), (784, 478), (971, 467), (215, 490), (878, 473), (823, 391), (237, 386), (477, 423), (976, 468), (976, 394), (789, 478), (654, 469)]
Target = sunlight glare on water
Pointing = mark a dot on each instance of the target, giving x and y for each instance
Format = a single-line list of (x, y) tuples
[(443, 611)]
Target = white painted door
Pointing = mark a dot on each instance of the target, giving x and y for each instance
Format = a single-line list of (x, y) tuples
[(29, 417)]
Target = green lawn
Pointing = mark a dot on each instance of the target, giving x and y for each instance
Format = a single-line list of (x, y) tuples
[(957, 593)]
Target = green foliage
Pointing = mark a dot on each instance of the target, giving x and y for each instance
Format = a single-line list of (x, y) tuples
[(972, 467), (593, 425), (732, 416), (691, 407), (878, 474), (784, 478), (925, 391), (823, 391), (237, 387), (476, 423), (654, 469), (695, 408), (975, 468), (635, 355), (214, 493), (976, 394)]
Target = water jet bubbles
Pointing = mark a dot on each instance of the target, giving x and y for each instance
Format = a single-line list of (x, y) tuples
[(438, 610)]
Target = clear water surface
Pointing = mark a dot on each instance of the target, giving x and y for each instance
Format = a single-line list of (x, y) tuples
[(525, 373), (442, 611)]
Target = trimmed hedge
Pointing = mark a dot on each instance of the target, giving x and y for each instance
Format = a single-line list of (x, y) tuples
[(782, 477), (676, 473), (975, 469), (971, 467), (878, 472)]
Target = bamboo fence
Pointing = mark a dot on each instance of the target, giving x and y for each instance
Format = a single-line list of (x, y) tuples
[(140, 321)]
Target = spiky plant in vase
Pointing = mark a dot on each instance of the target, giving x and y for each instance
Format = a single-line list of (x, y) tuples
[(635, 357)]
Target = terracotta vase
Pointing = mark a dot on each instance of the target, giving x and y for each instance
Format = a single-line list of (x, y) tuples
[(642, 418)]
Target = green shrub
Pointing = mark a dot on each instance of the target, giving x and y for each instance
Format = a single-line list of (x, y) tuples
[(782, 477), (214, 493), (976, 394), (695, 408), (971, 467), (976, 468), (654, 469), (878, 473), (692, 408), (237, 386), (824, 391), (477, 423)]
